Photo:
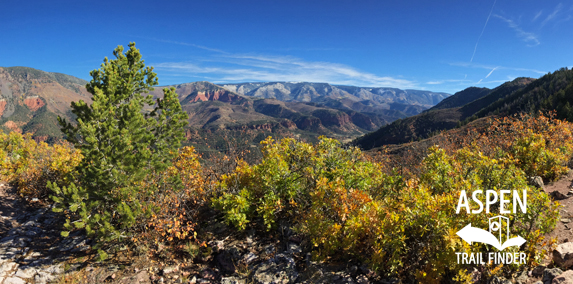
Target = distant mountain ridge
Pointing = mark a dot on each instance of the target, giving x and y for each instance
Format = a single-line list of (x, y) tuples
[(374, 99), (31, 100), (210, 106)]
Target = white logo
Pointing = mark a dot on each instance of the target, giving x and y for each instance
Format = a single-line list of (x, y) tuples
[(498, 235), (472, 234)]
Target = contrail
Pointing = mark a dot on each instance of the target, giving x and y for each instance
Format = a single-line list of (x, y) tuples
[(487, 20), (491, 72)]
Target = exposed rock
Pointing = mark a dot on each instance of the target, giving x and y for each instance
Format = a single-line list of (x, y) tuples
[(32, 250), (538, 271), (2, 106), (362, 121), (14, 280), (308, 123), (563, 255), (6, 268), (169, 269), (34, 103), (536, 181), (44, 277), (249, 257), (361, 279), (26, 272), (476, 276), (522, 279), (232, 280), (12, 126), (280, 270), (270, 249), (208, 274), (217, 95), (556, 195), (549, 274), (565, 278), (294, 248), (499, 280), (332, 118), (288, 124)]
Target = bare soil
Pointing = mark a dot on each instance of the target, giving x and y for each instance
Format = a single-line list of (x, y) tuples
[(563, 232)]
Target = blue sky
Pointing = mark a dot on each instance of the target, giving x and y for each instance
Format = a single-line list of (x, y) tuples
[(432, 45)]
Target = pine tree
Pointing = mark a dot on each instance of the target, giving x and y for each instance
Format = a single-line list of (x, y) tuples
[(127, 139)]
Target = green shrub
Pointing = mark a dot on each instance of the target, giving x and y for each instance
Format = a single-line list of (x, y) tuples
[(280, 186)]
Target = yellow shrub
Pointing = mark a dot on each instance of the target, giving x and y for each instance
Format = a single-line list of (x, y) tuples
[(30, 165), (173, 210)]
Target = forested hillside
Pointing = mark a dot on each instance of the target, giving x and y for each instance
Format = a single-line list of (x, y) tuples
[(550, 92)]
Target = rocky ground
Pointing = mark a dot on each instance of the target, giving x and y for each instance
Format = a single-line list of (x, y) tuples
[(32, 251)]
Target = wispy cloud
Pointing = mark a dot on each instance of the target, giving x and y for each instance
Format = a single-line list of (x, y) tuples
[(440, 82), (537, 15), (527, 37), (244, 68), (552, 15), (182, 43), (492, 68), (482, 30), (493, 81), (222, 66)]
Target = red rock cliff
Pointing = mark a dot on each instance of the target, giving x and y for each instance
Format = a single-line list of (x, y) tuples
[(220, 95), (34, 103), (2, 106)]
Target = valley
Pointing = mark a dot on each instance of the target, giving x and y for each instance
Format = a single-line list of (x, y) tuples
[(31, 100)]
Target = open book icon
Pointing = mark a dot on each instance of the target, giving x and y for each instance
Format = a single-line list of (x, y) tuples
[(472, 234)]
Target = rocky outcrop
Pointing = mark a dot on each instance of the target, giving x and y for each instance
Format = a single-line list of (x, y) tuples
[(550, 274), (34, 103), (12, 126), (563, 255), (2, 106), (279, 269), (308, 123), (564, 278), (218, 95), (332, 118), (363, 121), (288, 124), (536, 181)]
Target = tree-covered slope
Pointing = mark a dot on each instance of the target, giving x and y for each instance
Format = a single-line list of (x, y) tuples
[(463, 97), (440, 118)]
